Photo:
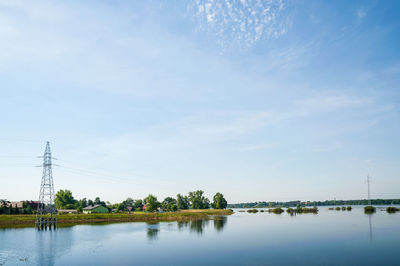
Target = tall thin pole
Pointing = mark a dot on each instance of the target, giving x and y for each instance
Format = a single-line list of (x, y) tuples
[(369, 194)]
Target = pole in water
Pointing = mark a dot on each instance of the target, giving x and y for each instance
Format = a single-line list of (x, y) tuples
[(369, 194), (46, 215)]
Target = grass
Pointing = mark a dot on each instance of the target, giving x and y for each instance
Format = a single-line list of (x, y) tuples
[(252, 211), (21, 220), (349, 208), (392, 209)]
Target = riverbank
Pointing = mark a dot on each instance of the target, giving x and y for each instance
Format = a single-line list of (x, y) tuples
[(7, 221)]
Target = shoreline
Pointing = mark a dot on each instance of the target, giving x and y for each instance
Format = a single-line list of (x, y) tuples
[(28, 220)]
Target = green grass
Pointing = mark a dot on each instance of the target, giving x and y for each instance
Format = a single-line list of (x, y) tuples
[(21, 220)]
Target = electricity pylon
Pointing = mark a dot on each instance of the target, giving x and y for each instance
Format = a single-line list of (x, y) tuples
[(46, 216)]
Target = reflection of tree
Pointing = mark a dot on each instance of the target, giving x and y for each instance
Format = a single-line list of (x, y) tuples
[(152, 230), (220, 222), (198, 226), (182, 225)]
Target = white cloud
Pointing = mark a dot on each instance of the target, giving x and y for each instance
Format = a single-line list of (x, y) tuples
[(241, 23)]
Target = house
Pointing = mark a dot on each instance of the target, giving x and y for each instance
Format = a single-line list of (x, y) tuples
[(67, 211), (95, 209)]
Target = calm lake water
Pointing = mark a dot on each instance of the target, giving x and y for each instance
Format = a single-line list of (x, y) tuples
[(328, 238)]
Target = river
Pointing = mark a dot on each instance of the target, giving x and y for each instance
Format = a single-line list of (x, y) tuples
[(327, 238)]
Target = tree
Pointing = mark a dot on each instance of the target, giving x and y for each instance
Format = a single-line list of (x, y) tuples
[(138, 205), (97, 201), (198, 201), (4, 207), (219, 201), (151, 203), (82, 203), (90, 203), (169, 204), (65, 200), (182, 202)]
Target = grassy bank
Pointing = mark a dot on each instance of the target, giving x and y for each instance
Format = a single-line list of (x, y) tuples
[(184, 215)]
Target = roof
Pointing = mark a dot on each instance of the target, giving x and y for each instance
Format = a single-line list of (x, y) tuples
[(92, 207)]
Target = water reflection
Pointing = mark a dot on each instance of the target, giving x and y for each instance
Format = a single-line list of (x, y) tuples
[(198, 226), (152, 231), (220, 222), (49, 245), (370, 227)]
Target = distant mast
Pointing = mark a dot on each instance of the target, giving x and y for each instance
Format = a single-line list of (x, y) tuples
[(369, 193)]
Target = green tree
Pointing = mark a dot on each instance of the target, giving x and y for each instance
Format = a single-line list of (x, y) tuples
[(138, 205), (198, 201), (219, 201), (97, 201), (169, 204), (151, 203), (182, 202), (65, 200), (90, 203)]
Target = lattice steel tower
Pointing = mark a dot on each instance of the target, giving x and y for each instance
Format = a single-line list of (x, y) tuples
[(46, 216)]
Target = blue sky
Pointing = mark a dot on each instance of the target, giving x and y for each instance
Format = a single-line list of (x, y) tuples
[(259, 100)]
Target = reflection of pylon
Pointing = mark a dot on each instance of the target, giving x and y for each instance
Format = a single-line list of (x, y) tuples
[(46, 216)]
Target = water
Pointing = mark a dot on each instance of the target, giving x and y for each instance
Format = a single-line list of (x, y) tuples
[(328, 238)]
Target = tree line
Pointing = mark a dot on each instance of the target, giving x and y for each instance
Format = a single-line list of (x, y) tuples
[(298, 203), (194, 200)]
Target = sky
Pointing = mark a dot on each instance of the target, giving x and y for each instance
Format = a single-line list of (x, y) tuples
[(259, 100)]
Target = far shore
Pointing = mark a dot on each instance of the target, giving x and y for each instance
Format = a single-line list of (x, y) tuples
[(28, 220)]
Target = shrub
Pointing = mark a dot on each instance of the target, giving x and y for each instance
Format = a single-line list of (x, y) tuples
[(252, 211), (338, 208), (392, 209), (343, 208), (276, 210), (349, 208), (369, 209)]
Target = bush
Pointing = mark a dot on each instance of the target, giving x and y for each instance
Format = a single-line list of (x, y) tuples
[(252, 211), (369, 209), (392, 209), (343, 208), (307, 210), (276, 210), (338, 208), (349, 208)]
